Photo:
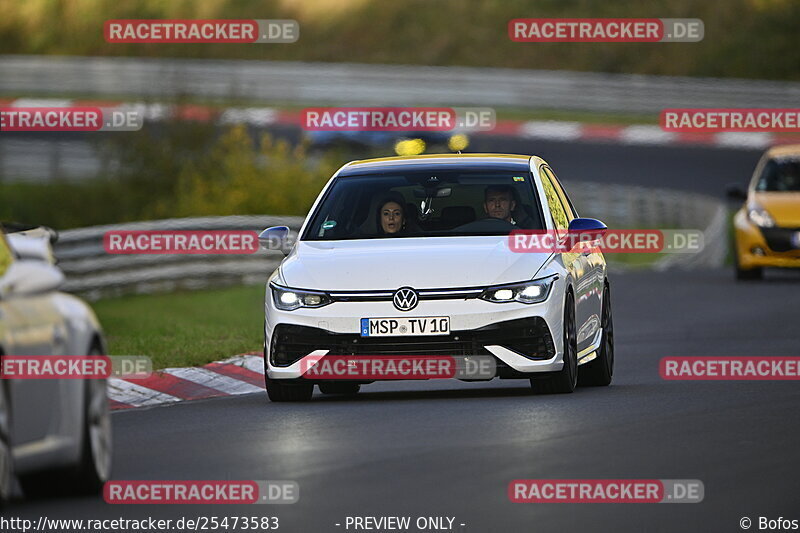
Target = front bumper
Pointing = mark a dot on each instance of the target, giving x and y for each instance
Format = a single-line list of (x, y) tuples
[(775, 245), (521, 337)]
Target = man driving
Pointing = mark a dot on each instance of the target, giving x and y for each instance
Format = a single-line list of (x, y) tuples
[(498, 202)]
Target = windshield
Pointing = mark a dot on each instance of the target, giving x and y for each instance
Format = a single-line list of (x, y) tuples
[(780, 175), (427, 203)]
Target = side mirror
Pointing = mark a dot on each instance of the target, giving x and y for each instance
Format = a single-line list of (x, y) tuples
[(587, 226), (735, 193), (275, 238), (27, 277), (29, 247)]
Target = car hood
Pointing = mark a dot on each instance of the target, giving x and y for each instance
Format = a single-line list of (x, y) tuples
[(783, 206), (421, 263)]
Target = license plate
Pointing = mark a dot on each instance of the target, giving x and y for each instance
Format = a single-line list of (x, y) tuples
[(796, 239), (399, 327)]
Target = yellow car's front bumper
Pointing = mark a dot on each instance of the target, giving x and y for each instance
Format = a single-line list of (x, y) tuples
[(753, 250)]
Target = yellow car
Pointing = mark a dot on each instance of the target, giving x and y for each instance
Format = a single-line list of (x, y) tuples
[(767, 227)]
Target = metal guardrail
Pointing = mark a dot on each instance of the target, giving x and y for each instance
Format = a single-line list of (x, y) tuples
[(360, 84), (95, 274), (625, 206)]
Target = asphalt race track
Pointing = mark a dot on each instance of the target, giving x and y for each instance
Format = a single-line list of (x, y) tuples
[(696, 168), (451, 448)]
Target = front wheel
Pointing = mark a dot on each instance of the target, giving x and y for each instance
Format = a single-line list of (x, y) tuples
[(598, 373), (285, 390), (749, 274), (281, 390), (565, 380), (745, 274)]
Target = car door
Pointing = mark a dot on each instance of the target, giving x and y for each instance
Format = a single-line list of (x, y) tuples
[(33, 327), (595, 265), (577, 261)]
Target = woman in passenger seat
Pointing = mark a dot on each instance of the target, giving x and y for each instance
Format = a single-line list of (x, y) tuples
[(391, 215)]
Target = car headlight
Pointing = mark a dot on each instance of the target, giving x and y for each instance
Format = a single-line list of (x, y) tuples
[(530, 292), (287, 299), (759, 216)]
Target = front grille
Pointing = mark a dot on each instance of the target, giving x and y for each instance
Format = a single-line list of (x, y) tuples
[(779, 239), (424, 294), (528, 336)]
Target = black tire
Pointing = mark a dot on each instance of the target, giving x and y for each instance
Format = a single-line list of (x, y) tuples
[(565, 380), (749, 274), (6, 459), (598, 373), (745, 274), (288, 390), (340, 388)]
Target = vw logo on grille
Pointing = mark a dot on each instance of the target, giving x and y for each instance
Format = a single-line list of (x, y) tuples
[(405, 299)]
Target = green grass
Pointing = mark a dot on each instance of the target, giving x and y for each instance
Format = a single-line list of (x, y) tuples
[(633, 260), (184, 328)]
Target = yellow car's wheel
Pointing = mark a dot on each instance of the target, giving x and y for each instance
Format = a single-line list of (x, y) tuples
[(745, 274)]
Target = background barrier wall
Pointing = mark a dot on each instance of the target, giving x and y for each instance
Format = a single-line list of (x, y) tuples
[(366, 85)]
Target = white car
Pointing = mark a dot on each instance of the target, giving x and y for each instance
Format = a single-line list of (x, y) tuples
[(55, 435), (397, 244)]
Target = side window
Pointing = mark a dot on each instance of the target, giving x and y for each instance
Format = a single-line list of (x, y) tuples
[(561, 217), (6, 255), (769, 177), (768, 170), (571, 213)]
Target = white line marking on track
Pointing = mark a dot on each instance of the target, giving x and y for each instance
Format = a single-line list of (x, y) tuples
[(41, 102), (254, 363), (756, 139), (214, 380), (647, 135), (550, 129), (132, 394)]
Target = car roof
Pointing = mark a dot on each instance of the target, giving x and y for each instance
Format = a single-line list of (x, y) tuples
[(511, 162), (786, 150)]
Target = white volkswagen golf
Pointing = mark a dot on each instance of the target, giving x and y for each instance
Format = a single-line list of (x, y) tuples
[(409, 257)]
